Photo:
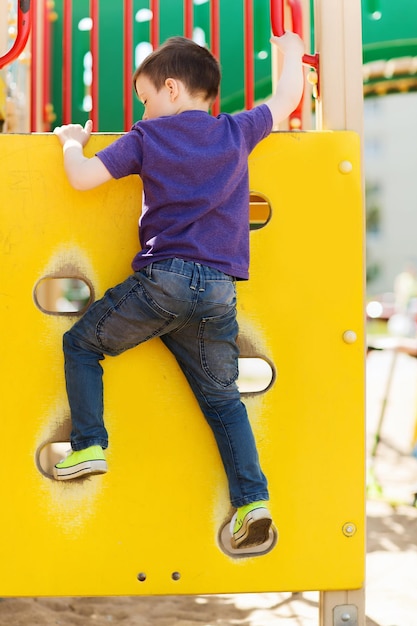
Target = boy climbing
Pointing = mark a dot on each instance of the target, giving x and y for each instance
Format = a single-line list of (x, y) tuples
[(194, 238)]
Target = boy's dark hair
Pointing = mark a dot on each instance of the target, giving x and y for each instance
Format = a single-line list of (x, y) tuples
[(186, 61)]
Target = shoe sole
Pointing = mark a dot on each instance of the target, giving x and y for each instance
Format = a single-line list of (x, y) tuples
[(81, 469), (254, 531)]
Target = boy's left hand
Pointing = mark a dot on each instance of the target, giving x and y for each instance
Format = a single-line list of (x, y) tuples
[(74, 132), (289, 43)]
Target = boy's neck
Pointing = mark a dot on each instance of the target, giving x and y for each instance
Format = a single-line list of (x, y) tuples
[(189, 103)]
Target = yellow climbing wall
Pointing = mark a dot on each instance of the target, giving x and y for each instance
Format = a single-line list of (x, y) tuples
[(158, 511)]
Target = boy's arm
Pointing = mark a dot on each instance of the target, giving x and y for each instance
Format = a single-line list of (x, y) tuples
[(83, 173), (291, 82)]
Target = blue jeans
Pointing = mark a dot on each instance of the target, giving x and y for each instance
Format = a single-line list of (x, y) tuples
[(192, 308)]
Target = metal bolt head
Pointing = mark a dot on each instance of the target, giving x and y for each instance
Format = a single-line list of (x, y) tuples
[(349, 336), (345, 167), (345, 615), (349, 529)]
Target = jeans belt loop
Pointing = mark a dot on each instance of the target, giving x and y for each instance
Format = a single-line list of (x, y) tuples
[(194, 277), (202, 278)]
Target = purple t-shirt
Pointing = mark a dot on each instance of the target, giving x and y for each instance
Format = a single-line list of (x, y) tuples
[(194, 170)]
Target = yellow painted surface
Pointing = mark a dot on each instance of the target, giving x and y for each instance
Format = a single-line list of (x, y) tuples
[(159, 508)]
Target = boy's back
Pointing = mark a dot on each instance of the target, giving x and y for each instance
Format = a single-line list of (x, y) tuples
[(195, 178)]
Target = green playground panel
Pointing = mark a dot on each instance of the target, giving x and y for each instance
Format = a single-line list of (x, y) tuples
[(171, 23), (389, 29)]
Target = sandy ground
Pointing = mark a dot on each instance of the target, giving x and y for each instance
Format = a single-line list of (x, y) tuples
[(391, 589)]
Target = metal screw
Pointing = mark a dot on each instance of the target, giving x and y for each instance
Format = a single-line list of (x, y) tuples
[(349, 529), (349, 336), (345, 167)]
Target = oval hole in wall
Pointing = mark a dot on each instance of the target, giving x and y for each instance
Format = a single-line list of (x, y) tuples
[(256, 375), (259, 210), (57, 295), (50, 454)]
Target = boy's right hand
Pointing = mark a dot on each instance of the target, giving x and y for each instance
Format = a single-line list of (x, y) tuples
[(74, 132)]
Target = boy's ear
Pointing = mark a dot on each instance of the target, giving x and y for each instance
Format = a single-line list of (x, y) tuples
[(172, 85)]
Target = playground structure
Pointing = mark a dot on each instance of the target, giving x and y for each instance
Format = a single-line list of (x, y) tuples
[(61, 83), (307, 218), (52, 79)]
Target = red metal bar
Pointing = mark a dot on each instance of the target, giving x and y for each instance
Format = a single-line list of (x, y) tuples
[(46, 78), (154, 35), (94, 44), (249, 55), (128, 64), (277, 23), (278, 29), (215, 42), (296, 16), (297, 26), (188, 19), (277, 17), (312, 60), (24, 23), (67, 63), (33, 74)]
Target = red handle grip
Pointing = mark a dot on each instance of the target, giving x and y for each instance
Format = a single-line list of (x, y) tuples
[(24, 22), (278, 29)]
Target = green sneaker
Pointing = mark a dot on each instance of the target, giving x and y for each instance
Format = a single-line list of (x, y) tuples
[(250, 525), (78, 463)]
